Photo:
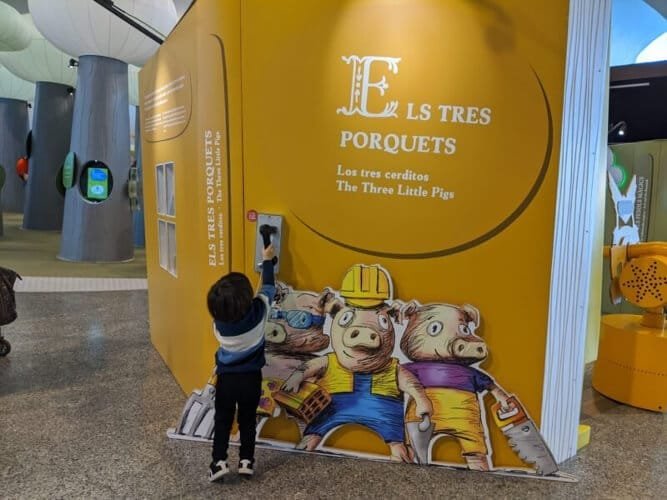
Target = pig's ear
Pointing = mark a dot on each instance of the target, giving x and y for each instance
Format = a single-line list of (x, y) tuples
[(401, 312), (324, 298), (410, 309), (328, 302), (394, 311), (473, 314), (282, 290)]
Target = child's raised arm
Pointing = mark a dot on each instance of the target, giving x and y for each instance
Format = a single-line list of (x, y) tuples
[(268, 286)]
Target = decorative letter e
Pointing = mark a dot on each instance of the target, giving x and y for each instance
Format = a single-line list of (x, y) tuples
[(361, 71)]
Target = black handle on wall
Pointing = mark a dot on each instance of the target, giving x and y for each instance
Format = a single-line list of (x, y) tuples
[(266, 231)]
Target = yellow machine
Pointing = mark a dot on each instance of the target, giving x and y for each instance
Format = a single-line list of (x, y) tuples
[(632, 361)]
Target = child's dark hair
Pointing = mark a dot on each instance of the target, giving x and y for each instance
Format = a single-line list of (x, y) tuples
[(230, 298)]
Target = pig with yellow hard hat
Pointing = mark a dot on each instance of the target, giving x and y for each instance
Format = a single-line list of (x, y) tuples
[(366, 383)]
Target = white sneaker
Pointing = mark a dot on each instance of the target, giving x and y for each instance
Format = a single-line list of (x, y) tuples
[(218, 470), (246, 468)]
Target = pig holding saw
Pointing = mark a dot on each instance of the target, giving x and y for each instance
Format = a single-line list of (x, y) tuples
[(440, 341)]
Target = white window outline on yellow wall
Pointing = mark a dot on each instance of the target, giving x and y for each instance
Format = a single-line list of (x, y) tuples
[(166, 221)]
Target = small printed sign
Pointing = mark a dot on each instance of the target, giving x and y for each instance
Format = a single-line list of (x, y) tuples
[(252, 215)]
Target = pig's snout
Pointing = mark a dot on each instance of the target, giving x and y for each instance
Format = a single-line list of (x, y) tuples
[(470, 349), (356, 337)]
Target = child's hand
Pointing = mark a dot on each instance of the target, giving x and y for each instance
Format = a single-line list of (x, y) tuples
[(268, 253)]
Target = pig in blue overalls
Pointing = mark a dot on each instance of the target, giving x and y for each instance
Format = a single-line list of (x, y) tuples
[(369, 399)]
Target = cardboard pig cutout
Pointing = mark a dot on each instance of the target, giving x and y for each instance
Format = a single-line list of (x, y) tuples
[(294, 335), (440, 341), (295, 330), (365, 382), (409, 373)]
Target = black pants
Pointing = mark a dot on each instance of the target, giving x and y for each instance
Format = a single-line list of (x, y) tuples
[(232, 390)]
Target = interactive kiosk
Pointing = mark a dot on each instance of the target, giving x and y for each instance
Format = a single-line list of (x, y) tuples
[(411, 152)]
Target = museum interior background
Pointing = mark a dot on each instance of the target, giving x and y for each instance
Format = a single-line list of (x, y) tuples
[(73, 198)]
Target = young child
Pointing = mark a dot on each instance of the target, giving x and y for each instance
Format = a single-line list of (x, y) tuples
[(239, 321)]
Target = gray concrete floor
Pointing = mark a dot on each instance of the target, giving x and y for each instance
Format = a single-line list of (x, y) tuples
[(85, 402)]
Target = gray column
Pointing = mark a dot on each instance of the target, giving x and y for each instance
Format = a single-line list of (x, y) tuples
[(138, 216), (51, 132), (13, 134), (100, 232)]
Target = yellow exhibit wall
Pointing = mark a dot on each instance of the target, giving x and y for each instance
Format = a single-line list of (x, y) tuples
[(420, 135), (191, 105)]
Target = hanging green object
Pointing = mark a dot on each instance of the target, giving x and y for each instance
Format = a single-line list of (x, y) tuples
[(69, 170), (132, 188), (618, 171), (2, 176)]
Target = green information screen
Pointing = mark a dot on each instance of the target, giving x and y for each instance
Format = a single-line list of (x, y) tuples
[(98, 183)]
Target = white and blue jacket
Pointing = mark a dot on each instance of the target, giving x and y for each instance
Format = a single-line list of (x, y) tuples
[(242, 343)]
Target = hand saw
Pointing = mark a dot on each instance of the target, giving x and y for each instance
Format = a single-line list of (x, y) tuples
[(524, 437)]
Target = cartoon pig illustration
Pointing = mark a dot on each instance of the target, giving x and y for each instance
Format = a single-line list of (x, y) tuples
[(440, 340), (365, 382), (294, 332)]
